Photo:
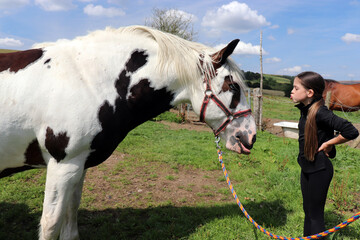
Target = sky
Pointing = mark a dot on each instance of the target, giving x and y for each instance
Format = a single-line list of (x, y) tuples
[(298, 35)]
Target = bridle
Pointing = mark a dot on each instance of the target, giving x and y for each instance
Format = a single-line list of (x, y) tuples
[(209, 95)]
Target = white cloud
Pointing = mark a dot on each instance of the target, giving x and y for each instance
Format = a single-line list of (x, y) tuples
[(99, 11), (350, 37), (350, 75), (292, 70), (272, 60), (7, 4), (234, 17), (244, 49), (55, 5), (326, 75), (354, 3), (274, 26), (10, 42), (290, 31), (272, 38)]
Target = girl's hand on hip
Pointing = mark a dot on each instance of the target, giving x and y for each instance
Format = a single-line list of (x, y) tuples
[(326, 147)]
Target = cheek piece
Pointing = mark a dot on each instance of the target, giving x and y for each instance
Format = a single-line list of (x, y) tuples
[(230, 116)]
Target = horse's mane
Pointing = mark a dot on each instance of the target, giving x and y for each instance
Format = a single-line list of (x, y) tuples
[(187, 57), (184, 55)]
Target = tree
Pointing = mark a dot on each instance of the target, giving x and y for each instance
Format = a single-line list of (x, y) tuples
[(173, 21)]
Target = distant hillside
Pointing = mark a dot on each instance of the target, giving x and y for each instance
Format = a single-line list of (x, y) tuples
[(271, 82), (6, 50)]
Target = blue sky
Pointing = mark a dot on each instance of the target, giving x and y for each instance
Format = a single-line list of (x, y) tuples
[(298, 35)]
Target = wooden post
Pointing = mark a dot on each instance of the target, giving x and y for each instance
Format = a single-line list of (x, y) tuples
[(257, 107), (355, 143), (259, 96)]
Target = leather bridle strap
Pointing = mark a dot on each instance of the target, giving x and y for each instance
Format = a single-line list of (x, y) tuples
[(209, 95)]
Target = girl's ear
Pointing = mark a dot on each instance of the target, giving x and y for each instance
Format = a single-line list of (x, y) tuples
[(310, 93)]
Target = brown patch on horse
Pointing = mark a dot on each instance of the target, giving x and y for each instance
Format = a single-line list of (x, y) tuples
[(116, 121), (137, 59), (230, 85), (56, 144), (16, 61), (33, 158), (33, 155)]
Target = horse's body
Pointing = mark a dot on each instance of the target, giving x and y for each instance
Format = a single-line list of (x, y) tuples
[(343, 97), (67, 105)]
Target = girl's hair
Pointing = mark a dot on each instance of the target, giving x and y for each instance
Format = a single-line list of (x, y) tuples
[(314, 81)]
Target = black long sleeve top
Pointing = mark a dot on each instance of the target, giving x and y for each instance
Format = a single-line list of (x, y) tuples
[(326, 122)]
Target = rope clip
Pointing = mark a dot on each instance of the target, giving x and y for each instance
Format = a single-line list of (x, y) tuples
[(217, 140)]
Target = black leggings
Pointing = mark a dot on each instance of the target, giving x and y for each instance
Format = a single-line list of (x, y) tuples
[(314, 187)]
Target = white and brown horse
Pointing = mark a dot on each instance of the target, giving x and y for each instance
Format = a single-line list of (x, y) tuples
[(67, 105)]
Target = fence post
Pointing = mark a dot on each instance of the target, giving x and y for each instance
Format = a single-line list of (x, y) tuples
[(257, 101)]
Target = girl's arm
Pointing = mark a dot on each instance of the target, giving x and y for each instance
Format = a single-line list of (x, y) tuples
[(345, 128), (327, 146)]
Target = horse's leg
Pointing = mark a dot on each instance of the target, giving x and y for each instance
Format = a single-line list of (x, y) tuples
[(62, 180), (69, 229)]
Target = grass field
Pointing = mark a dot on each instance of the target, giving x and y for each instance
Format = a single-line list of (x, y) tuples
[(267, 183), (6, 50)]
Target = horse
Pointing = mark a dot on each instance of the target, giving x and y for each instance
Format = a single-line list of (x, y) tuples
[(343, 97), (66, 105)]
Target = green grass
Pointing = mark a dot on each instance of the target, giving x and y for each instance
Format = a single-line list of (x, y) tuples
[(280, 108), (7, 50), (267, 183), (278, 79)]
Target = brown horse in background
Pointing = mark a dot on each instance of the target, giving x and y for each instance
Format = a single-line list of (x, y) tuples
[(343, 97)]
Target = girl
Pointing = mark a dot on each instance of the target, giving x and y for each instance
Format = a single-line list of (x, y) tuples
[(316, 145)]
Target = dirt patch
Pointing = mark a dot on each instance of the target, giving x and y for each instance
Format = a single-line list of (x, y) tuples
[(196, 126), (268, 125), (118, 183)]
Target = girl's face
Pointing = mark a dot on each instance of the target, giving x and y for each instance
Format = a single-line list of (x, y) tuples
[(300, 94)]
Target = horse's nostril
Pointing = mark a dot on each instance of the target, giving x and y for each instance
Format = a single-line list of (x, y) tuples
[(244, 139)]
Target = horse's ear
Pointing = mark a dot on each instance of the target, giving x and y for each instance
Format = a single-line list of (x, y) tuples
[(223, 54)]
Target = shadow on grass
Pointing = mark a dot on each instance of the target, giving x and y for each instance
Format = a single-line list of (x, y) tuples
[(168, 222), (17, 221)]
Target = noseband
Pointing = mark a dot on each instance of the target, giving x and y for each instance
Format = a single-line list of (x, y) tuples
[(230, 116)]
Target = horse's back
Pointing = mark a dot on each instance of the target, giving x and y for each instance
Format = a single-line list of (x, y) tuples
[(343, 97), (51, 99), (37, 95)]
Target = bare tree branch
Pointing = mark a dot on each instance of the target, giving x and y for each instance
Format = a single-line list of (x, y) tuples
[(172, 21)]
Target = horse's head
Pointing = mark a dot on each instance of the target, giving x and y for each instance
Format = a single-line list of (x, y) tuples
[(224, 107)]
